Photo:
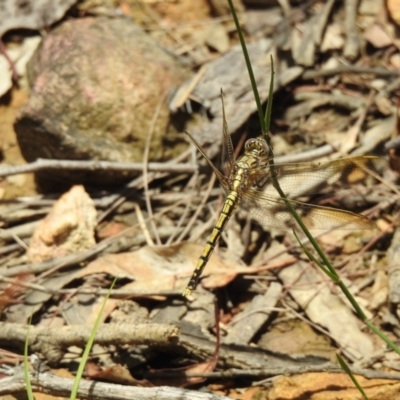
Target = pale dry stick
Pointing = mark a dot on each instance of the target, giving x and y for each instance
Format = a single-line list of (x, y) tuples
[(192, 180), (199, 209), (18, 240), (274, 372), (310, 155), (46, 164), (169, 198), (297, 245), (312, 74), (51, 384), (352, 45), (120, 199), (10, 359), (10, 248), (28, 285), (90, 253), (354, 130), (379, 178), (198, 22), (143, 225), (115, 294), (145, 173), (51, 341), (270, 267), (185, 211), (201, 205), (22, 230), (34, 201), (181, 95), (138, 182), (266, 310), (386, 204), (387, 230), (72, 259), (56, 264), (391, 87), (320, 27), (286, 8), (207, 225)]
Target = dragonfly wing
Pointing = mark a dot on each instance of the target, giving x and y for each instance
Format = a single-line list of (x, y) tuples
[(272, 211), (312, 177)]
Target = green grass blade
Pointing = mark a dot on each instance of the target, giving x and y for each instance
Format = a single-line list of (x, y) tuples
[(268, 111), (249, 67), (89, 346), (346, 369), (265, 121), (312, 258)]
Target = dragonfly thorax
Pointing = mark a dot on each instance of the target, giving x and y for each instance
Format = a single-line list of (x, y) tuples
[(257, 147)]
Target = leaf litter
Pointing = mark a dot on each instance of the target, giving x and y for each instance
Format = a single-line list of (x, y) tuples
[(320, 101)]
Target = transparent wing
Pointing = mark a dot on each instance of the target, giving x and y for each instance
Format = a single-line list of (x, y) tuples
[(262, 203), (271, 211), (312, 177)]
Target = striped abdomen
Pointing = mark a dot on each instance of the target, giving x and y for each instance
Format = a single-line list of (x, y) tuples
[(230, 204)]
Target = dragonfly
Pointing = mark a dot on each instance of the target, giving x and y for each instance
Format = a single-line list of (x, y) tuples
[(248, 184)]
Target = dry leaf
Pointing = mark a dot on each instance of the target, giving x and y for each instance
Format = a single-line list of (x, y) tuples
[(384, 105), (217, 38), (182, 381), (377, 36), (166, 268), (333, 38), (393, 7), (326, 309), (32, 14), (10, 291), (380, 291), (117, 374)]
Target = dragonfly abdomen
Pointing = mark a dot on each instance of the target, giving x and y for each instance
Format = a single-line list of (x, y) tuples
[(230, 204)]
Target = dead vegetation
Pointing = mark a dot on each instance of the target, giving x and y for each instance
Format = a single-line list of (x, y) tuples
[(262, 309)]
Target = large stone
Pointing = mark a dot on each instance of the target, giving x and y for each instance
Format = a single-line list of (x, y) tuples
[(96, 86)]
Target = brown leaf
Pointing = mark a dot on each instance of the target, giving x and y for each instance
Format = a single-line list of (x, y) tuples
[(181, 380), (167, 268), (10, 291), (119, 374)]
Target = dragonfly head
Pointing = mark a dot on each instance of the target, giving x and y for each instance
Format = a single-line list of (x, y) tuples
[(257, 147)]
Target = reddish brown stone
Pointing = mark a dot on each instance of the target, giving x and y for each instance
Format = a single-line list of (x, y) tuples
[(96, 84)]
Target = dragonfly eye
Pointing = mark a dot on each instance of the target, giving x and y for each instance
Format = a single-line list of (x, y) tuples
[(257, 145)]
